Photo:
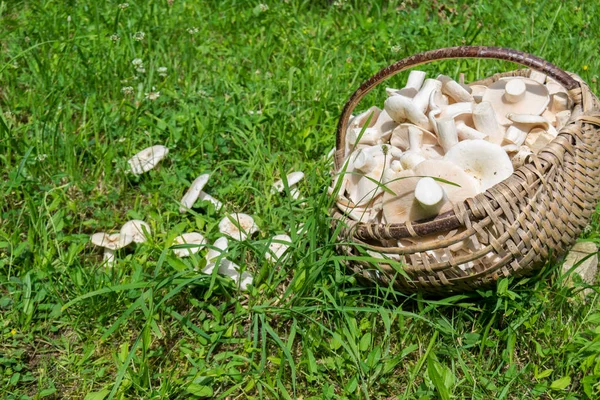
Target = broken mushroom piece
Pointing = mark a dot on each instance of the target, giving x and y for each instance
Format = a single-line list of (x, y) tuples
[(110, 243), (401, 109), (195, 240), (238, 226), (413, 84), (454, 90), (279, 244), (137, 229), (487, 162), (147, 159)]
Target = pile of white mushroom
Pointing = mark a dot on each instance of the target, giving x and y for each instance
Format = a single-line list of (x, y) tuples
[(435, 131), (237, 226)]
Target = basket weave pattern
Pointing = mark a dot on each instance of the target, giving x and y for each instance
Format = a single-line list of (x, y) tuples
[(541, 209)]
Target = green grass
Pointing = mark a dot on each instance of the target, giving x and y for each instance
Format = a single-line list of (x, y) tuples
[(249, 95)]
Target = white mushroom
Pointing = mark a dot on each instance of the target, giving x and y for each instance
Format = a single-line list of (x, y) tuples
[(378, 131), (231, 269), (370, 162), (195, 192), (292, 180), (137, 229), (413, 84), (419, 143), (279, 244), (454, 90), (486, 162), (214, 252), (402, 108), (447, 134), (430, 195), (238, 226), (110, 243), (485, 122), (147, 159), (195, 240), (516, 95)]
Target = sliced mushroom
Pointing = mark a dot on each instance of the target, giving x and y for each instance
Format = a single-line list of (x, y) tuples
[(147, 159), (194, 239), (238, 226)]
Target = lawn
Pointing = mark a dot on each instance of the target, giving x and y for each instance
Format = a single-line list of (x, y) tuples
[(248, 92)]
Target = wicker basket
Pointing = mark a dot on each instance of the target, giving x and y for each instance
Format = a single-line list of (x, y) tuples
[(539, 210)]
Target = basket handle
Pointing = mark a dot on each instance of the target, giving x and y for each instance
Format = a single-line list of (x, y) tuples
[(498, 53)]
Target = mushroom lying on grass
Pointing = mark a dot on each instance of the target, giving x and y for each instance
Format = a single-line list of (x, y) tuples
[(147, 159), (238, 226), (292, 180), (279, 245), (193, 240), (195, 192)]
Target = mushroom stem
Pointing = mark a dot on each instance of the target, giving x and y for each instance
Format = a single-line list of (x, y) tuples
[(411, 159), (515, 135), (415, 138), (514, 91), (430, 196), (364, 162), (537, 76), (559, 102), (205, 196), (421, 99), (415, 79), (466, 132), (454, 90), (109, 257), (402, 108), (485, 121), (447, 134)]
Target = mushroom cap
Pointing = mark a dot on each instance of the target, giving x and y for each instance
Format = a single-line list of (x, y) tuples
[(212, 257), (193, 238), (207, 197), (192, 194), (238, 226), (147, 159), (400, 136), (220, 245), (448, 171), (534, 101), (487, 162), (137, 229), (277, 248), (114, 241), (401, 206), (231, 269), (292, 179)]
